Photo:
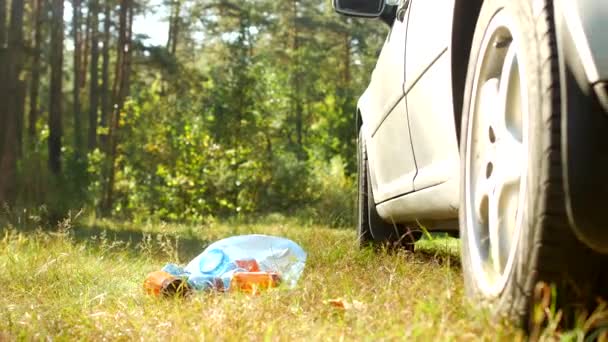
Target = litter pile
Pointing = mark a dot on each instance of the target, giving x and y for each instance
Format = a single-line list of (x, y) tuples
[(247, 263)]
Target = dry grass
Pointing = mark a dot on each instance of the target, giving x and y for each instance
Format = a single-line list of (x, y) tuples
[(85, 282)]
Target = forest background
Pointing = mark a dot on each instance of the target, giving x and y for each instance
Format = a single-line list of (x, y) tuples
[(247, 109)]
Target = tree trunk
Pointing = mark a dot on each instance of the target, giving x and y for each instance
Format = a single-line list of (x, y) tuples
[(174, 22), (296, 97), (105, 73), (76, 14), (35, 83), (20, 111), (346, 59), (120, 90), (14, 103), (94, 85), (85, 53), (128, 51), (170, 33), (3, 69), (2, 23), (55, 121)]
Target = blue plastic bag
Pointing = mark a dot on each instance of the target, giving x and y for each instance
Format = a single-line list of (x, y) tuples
[(215, 266)]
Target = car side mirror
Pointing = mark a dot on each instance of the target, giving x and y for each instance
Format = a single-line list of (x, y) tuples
[(359, 8)]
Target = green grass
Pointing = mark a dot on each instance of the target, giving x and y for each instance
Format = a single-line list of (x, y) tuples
[(84, 281)]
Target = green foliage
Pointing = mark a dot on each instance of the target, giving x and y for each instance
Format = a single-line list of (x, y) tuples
[(252, 114), (333, 192)]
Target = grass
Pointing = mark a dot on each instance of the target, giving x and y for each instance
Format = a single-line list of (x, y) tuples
[(83, 280)]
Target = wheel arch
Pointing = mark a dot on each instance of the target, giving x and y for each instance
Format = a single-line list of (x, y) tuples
[(465, 17), (358, 120)]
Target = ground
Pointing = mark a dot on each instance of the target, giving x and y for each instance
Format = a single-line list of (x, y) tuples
[(83, 280)]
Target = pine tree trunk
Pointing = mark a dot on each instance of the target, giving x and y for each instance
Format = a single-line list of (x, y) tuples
[(85, 51), (170, 33), (105, 73), (3, 69), (14, 103), (77, 76), (3, 19), (94, 85), (20, 112), (296, 83), (346, 59), (120, 90), (174, 26), (129, 52), (55, 120), (35, 83)]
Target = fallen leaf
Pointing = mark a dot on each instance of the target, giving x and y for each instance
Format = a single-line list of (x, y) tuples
[(340, 303)]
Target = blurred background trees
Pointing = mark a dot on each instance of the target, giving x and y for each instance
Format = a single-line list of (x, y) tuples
[(248, 108)]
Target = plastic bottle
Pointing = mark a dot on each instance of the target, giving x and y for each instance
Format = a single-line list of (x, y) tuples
[(161, 283), (174, 269), (208, 270), (253, 282), (284, 262), (249, 265)]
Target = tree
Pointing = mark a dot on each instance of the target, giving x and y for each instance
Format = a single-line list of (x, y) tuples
[(55, 106), (296, 78), (12, 113), (3, 69), (94, 83), (120, 91), (105, 71), (86, 43), (76, 14), (2, 23), (38, 14), (174, 26)]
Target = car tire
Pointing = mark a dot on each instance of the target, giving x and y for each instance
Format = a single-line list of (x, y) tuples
[(372, 230), (513, 225)]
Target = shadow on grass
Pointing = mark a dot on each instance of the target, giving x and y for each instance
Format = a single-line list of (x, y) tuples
[(439, 257), (438, 254), (184, 246)]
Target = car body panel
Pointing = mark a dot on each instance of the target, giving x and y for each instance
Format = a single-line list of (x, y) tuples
[(432, 126), (385, 125), (587, 25), (584, 137), (438, 203), (428, 35), (389, 182), (428, 89)]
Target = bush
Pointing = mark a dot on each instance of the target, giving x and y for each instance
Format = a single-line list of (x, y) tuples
[(334, 194)]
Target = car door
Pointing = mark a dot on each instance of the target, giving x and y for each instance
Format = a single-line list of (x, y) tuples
[(428, 89), (385, 124)]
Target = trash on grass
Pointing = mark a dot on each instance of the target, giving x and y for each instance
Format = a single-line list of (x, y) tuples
[(161, 283), (246, 263), (343, 304)]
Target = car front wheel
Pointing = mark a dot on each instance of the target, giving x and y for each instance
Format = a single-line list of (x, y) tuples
[(512, 218)]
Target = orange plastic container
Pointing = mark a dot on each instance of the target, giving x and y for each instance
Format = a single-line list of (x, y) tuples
[(253, 282), (160, 283), (248, 264)]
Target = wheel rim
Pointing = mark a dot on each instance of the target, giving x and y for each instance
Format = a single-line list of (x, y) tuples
[(496, 156)]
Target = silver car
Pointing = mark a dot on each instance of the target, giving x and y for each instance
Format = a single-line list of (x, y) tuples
[(489, 120)]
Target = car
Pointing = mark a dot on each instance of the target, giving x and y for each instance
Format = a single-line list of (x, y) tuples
[(489, 120)]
